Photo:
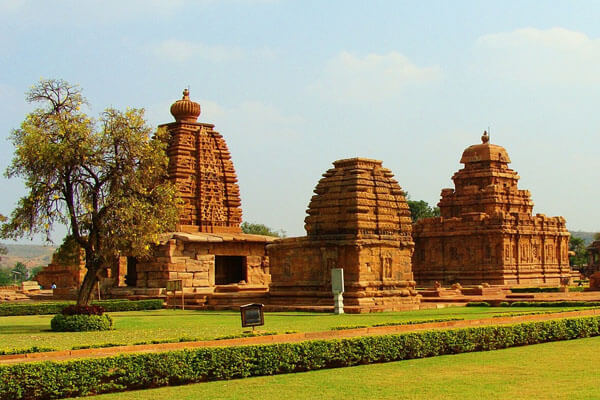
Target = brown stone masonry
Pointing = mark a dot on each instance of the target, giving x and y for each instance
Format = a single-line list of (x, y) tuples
[(201, 168), (486, 232), (358, 220)]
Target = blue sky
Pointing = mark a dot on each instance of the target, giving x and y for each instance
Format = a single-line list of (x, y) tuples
[(295, 85)]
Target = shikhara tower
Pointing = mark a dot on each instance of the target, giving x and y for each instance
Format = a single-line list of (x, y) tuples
[(201, 168), (486, 232)]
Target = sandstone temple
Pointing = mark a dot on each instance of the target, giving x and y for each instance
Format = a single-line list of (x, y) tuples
[(357, 220), (486, 232), (208, 251)]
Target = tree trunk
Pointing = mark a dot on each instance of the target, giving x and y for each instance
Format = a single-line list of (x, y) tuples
[(89, 283)]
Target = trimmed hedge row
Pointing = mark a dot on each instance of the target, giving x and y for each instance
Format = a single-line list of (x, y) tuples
[(12, 309), (478, 304), (545, 289), (28, 350), (411, 322), (555, 304), (54, 380), (536, 304)]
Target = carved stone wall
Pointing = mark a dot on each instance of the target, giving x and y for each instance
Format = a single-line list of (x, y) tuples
[(64, 276), (486, 232), (357, 220), (191, 258), (200, 166)]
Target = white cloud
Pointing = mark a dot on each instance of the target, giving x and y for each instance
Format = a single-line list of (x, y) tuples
[(350, 78), (182, 51), (553, 56)]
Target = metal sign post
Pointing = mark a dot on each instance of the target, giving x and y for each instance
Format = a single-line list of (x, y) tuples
[(337, 287)]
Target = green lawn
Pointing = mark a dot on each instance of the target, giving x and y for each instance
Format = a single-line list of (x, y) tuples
[(560, 370), (141, 326)]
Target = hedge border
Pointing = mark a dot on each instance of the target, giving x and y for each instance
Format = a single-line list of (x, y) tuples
[(54, 380), (519, 303), (12, 309)]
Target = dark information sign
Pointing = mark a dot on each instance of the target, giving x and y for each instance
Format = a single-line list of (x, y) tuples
[(252, 315)]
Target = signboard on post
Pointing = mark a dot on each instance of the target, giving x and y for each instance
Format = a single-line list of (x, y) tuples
[(175, 286), (337, 287), (252, 315)]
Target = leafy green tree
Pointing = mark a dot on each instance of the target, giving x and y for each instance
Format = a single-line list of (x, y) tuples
[(421, 209), (105, 179), (3, 249), (35, 271), (5, 277), (577, 245), (21, 271), (69, 252), (260, 229)]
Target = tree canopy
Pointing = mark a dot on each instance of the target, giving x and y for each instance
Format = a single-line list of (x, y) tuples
[(421, 209), (260, 229), (106, 179), (577, 245), (3, 249), (21, 270)]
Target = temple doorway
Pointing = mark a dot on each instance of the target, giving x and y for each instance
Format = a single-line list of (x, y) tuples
[(131, 277), (229, 269)]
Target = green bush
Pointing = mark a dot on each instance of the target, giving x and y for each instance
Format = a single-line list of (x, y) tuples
[(53, 380), (398, 323), (478, 304), (545, 289), (81, 323), (57, 307), (33, 349), (555, 304)]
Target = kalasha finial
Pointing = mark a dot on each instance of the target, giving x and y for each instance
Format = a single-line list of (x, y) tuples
[(485, 137), (185, 110)]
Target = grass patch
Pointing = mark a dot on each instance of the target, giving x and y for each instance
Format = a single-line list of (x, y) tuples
[(132, 327), (518, 373)]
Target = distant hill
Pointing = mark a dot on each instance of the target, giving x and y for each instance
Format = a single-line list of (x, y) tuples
[(29, 254), (588, 237)]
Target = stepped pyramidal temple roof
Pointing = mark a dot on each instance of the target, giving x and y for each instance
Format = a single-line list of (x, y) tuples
[(358, 220), (358, 197), (487, 232), (486, 184)]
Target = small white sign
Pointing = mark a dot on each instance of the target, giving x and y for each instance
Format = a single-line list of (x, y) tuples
[(337, 280)]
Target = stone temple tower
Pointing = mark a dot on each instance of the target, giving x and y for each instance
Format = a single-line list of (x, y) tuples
[(487, 231), (208, 252), (357, 220), (201, 168)]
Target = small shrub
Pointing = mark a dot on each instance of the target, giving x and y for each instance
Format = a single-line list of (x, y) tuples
[(81, 323), (478, 304)]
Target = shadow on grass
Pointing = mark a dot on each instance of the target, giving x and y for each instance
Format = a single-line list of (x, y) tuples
[(7, 330)]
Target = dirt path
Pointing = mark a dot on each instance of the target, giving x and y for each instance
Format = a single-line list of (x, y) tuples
[(284, 338)]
